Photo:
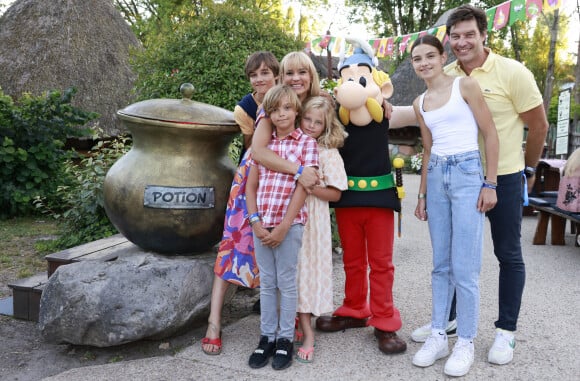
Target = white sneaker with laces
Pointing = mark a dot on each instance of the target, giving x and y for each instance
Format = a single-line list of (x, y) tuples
[(422, 333), (502, 350), (461, 359), (435, 348)]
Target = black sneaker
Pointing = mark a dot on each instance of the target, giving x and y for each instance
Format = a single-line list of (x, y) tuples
[(260, 357), (283, 356)]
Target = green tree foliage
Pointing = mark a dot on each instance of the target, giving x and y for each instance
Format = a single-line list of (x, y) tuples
[(208, 52), (33, 133), (398, 17)]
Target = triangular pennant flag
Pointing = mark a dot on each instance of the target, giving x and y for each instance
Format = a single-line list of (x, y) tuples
[(517, 11), (315, 45), (441, 32), (375, 44), (337, 46), (502, 15), (490, 13), (382, 50), (324, 41), (552, 5), (533, 8), (390, 47), (403, 43), (413, 38)]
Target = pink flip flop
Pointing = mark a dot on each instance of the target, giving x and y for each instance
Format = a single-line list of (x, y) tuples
[(305, 353)]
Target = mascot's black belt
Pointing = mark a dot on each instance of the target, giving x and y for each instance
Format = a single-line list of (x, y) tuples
[(371, 183)]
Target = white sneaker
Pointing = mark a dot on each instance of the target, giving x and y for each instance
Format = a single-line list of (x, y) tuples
[(422, 333), (502, 350), (436, 347), (460, 360)]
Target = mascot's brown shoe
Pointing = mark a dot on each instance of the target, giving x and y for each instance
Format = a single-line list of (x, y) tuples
[(389, 342), (338, 323)]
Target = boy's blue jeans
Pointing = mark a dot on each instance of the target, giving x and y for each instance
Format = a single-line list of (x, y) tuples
[(278, 268)]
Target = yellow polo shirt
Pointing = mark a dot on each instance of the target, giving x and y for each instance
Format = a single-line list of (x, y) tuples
[(509, 89)]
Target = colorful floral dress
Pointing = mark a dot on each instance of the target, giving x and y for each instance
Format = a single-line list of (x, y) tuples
[(235, 260)]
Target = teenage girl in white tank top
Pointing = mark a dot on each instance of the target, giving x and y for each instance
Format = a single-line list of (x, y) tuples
[(450, 114)]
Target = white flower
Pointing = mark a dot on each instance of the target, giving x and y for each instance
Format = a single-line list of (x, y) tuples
[(417, 161)]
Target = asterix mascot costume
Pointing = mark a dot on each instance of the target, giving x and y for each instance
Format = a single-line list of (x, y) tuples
[(365, 212)]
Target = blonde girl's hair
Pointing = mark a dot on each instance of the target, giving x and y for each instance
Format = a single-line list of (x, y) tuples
[(334, 133), (274, 96), (300, 60)]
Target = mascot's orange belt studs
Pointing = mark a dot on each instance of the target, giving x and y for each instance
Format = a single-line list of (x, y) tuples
[(398, 163)]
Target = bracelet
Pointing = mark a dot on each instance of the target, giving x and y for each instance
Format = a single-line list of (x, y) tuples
[(254, 217), (421, 195), (494, 183), (299, 172), (490, 186)]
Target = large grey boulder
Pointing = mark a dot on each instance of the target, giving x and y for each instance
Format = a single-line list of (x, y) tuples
[(141, 295)]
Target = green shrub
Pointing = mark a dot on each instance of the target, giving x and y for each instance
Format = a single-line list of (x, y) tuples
[(208, 51), (33, 133), (84, 218)]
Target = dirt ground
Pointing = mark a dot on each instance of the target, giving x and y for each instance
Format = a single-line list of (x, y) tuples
[(24, 356)]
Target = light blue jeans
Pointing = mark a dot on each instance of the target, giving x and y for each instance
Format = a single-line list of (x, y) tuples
[(278, 268), (456, 229)]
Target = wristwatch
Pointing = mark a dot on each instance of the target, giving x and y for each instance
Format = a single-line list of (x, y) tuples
[(529, 171)]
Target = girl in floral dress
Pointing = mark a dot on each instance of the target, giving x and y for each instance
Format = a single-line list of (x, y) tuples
[(315, 295)]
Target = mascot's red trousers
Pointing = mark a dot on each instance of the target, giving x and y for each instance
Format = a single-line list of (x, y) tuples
[(367, 236)]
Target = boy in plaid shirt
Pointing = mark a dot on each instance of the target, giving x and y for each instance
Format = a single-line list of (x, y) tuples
[(277, 213)]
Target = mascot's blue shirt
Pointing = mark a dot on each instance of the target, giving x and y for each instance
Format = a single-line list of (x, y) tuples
[(366, 153)]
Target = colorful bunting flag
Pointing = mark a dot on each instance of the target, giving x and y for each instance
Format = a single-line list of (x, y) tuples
[(441, 32), (382, 47), (403, 43), (498, 17), (502, 15), (552, 5), (390, 47), (490, 13), (517, 11), (533, 8), (324, 42)]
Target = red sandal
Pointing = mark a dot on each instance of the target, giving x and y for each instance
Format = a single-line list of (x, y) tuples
[(217, 342)]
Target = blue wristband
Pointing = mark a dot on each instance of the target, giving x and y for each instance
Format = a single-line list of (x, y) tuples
[(525, 199), (486, 185), (298, 172)]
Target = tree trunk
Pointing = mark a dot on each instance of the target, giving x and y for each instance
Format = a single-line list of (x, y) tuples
[(549, 84), (576, 117)]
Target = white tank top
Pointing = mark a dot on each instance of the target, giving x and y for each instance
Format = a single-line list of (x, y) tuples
[(453, 126)]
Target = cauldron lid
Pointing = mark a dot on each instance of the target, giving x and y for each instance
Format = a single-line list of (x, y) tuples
[(179, 110)]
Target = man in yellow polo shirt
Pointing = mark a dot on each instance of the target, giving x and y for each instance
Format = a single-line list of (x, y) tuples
[(513, 97)]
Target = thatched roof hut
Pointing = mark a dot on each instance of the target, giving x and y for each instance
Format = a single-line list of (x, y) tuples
[(57, 44)]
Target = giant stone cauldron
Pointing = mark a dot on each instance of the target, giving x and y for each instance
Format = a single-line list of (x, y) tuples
[(168, 194)]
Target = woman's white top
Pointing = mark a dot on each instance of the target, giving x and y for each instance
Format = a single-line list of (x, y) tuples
[(453, 126)]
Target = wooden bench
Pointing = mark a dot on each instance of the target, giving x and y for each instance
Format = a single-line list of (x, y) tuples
[(105, 249), (26, 292), (549, 213)]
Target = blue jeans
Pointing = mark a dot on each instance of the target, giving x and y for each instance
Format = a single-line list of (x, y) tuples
[(278, 268), (456, 229), (506, 224)]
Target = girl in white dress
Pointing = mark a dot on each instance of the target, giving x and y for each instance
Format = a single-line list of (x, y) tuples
[(315, 295)]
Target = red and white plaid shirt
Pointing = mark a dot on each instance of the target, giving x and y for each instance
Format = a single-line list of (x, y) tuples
[(275, 189)]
